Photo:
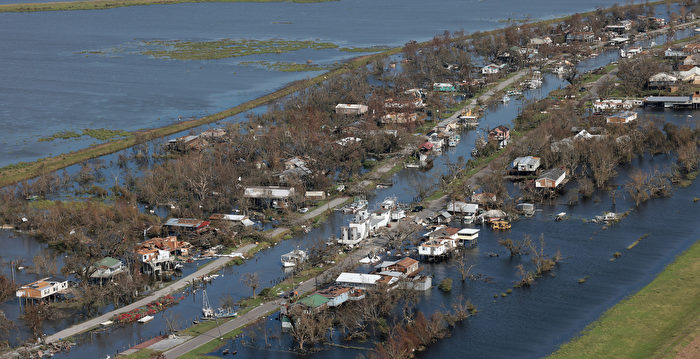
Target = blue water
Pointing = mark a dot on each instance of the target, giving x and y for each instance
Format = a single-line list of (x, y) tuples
[(48, 85)]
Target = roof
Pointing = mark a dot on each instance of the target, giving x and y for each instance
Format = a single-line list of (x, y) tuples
[(186, 222), (627, 114), (314, 300), (427, 145), (385, 264), (108, 262), (552, 174), (526, 160), (468, 231), (268, 192), (662, 76), (457, 206), (666, 98), (333, 292), (406, 262), (359, 278)]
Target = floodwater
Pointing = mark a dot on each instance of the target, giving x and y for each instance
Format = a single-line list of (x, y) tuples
[(529, 322), (73, 94), (49, 86)]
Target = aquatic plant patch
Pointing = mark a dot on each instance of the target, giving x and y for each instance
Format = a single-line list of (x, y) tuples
[(287, 66), (101, 134), (226, 48)]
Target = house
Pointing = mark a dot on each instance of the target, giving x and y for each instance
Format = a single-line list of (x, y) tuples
[(294, 167), (693, 59), (691, 75), (189, 224), (350, 109), (314, 196), (539, 41), (363, 281), (336, 295), (691, 48), (491, 69), (407, 266), (426, 147), (237, 219), (169, 244), (621, 27), (526, 164), (580, 36), (631, 52), (187, 143), (444, 87), (468, 236), (662, 79), (277, 197), (413, 102), (106, 268), (462, 208), (668, 101), (551, 179), (483, 198), (501, 135), (432, 249), (674, 53), (400, 117), (314, 303), (43, 288), (622, 117), (612, 104)]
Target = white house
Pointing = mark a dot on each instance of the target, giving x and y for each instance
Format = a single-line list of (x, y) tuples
[(526, 164), (622, 117), (432, 249), (42, 288), (492, 69), (363, 281), (350, 109), (107, 267)]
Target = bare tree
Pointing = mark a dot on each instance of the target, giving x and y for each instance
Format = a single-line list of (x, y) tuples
[(461, 262), (251, 280)]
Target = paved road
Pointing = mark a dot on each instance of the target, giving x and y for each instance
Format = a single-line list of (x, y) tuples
[(86, 325), (486, 96), (267, 307)]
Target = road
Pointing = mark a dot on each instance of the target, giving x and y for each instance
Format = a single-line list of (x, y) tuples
[(182, 283), (267, 307), (486, 96)]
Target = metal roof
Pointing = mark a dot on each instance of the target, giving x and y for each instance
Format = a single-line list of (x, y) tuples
[(314, 300), (358, 278), (468, 231)]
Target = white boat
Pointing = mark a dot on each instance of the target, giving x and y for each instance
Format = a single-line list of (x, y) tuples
[(145, 319), (560, 216), (107, 323), (370, 259), (505, 99), (355, 206), (294, 258)]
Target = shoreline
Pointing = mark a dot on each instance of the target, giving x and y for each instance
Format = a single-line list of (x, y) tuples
[(106, 4), (21, 171), (656, 321)]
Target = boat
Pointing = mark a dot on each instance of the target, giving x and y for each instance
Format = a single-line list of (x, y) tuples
[(293, 258), (500, 225), (145, 319), (356, 205), (107, 323), (514, 93), (208, 312), (370, 259), (505, 99), (560, 216)]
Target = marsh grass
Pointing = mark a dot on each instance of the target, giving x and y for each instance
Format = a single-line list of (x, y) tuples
[(106, 4), (227, 48)]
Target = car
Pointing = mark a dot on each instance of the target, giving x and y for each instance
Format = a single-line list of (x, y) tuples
[(303, 210)]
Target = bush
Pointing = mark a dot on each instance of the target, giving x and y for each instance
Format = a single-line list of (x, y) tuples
[(267, 292), (446, 285)]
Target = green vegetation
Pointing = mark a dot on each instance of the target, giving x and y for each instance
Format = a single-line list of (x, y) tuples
[(212, 345), (652, 323), (445, 285), (226, 48), (62, 135), (101, 134), (364, 49), (142, 354), (106, 4), (288, 66)]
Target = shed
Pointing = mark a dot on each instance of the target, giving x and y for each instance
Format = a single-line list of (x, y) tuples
[(551, 179)]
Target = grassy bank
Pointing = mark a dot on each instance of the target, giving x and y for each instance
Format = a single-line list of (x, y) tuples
[(106, 4), (654, 322)]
